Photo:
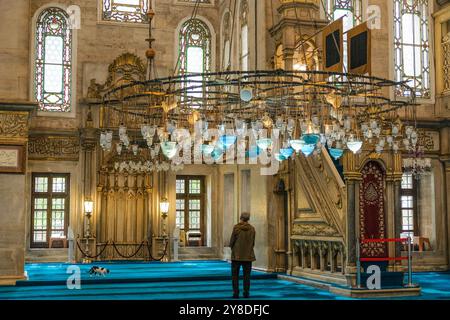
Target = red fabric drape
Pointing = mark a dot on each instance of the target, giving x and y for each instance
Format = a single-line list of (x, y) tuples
[(371, 210)]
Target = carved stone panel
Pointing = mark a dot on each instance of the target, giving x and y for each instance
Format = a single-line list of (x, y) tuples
[(314, 230), (429, 140), (66, 148), (13, 124)]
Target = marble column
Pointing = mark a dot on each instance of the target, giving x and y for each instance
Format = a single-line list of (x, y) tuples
[(88, 144), (397, 217), (447, 204), (351, 223)]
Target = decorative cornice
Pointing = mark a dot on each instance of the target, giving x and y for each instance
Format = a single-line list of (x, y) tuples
[(289, 22)]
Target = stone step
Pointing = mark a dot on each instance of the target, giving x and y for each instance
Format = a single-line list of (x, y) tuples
[(46, 255), (197, 253), (196, 250)]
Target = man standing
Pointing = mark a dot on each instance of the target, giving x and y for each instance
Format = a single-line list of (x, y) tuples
[(242, 242)]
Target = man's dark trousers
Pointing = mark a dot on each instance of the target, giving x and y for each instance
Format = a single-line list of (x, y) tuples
[(235, 267)]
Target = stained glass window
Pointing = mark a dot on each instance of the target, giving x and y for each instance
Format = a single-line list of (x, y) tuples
[(351, 11), (53, 61), (412, 47), (226, 36), (134, 11), (245, 53), (195, 57)]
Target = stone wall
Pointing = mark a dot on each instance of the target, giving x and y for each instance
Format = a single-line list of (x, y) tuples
[(14, 49)]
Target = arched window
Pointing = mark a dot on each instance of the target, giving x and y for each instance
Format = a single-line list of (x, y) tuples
[(226, 42), (53, 61), (195, 54), (245, 53), (412, 47), (133, 11), (351, 9)]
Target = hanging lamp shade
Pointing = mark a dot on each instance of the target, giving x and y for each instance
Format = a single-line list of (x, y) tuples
[(311, 138), (227, 141), (279, 157), (246, 94), (287, 152), (308, 149), (264, 144), (336, 153), (354, 146), (169, 148), (297, 145)]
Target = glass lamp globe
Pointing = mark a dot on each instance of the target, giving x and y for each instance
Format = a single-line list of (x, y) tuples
[(308, 149), (297, 145), (310, 138), (336, 153), (227, 141), (279, 157), (286, 152), (88, 207), (246, 94), (164, 206), (354, 145), (169, 149), (264, 144)]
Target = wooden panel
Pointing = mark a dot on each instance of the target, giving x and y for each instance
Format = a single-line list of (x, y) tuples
[(333, 46), (359, 50)]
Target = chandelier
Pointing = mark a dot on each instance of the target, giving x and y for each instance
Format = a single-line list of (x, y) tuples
[(251, 117), (415, 162)]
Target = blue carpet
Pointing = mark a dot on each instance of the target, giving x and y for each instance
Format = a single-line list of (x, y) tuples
[(178, 280)]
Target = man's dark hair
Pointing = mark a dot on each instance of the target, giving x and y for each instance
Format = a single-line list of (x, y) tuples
[(245, 216)]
